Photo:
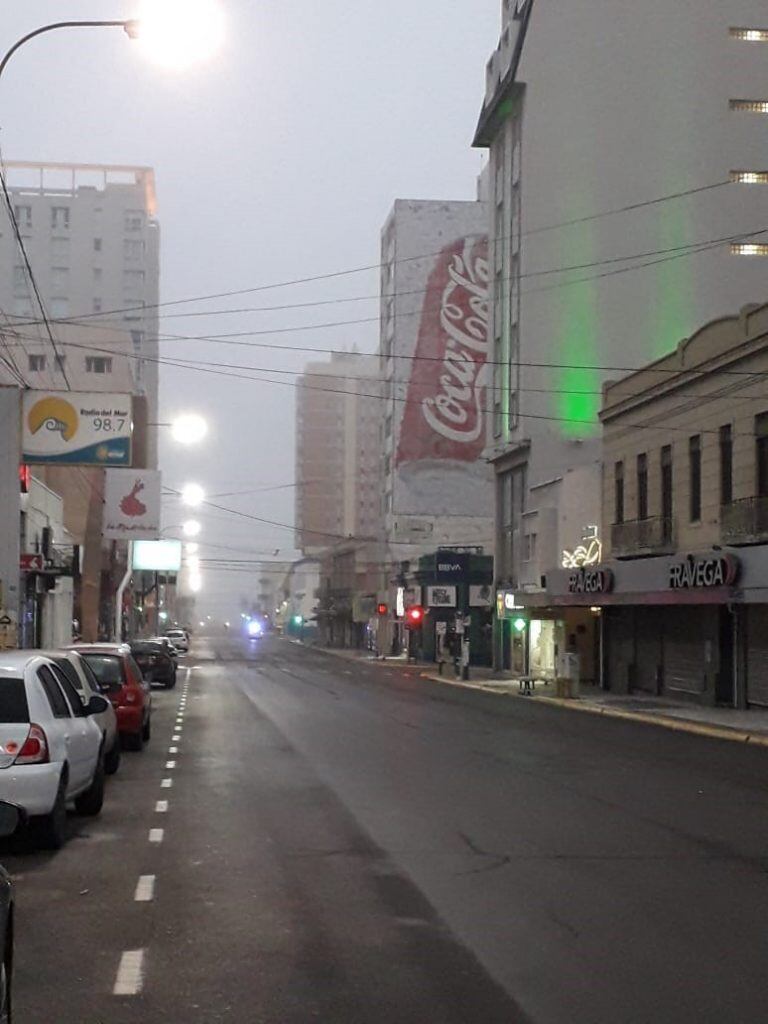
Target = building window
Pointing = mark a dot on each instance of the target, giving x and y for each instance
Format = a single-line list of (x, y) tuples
[(388, 426), (97, 245), (529, 550), (60, 279), (134, 220), (60, 362), (750, 106), (59, 308), (726, 464), (133, 248), (642, 486), (750, 35), (98, 274), (749, 249), (20, 278), (694, 473), (761, 453), (666, 488), (37, 363), (59, 217), (98, 364), (23, 215), (750, 177), (60, 248), (511, 489), (618, 492), (22, 307)]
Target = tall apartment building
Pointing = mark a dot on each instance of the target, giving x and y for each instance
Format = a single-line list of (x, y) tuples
[(627, 180), (92, 238), (337, 452), (433, 346)]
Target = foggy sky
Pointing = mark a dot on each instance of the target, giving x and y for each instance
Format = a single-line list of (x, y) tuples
[(279, 160)]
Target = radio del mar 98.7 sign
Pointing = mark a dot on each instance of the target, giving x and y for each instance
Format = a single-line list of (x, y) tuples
[(132, 504), (76, 427)]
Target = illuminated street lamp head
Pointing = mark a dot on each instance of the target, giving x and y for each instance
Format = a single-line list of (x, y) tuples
[(195, 584), (178, 33), (190, 428), (191, 528), (193, 495)]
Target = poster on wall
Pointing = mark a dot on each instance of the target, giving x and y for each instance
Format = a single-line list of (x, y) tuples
[(132, 504), (76, 428), (480, 596), (441, 597)]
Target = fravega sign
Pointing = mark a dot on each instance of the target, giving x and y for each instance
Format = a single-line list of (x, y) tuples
[(591, 581), (693, 573)]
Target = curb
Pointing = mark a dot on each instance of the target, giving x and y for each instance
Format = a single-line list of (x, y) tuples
[(717, 732)]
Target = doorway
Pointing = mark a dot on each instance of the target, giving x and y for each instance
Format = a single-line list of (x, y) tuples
[(725, 689)]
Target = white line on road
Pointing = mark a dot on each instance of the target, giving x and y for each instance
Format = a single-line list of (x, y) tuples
[(170, 764), (173, 750), (166, 783), (176, 736), (156, 835), (130, 973), (145, 890), (161, 806)]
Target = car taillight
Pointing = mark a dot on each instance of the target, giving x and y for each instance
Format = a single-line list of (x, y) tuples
[(35, 748)]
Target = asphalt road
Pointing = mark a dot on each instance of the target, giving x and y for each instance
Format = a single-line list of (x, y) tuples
[(351, 843)]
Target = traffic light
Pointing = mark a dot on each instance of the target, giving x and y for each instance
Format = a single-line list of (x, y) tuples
[(414, 616), (298, 620), (520, 624), (382, 609)]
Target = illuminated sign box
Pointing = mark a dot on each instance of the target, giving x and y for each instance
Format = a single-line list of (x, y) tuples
[(157, 555)]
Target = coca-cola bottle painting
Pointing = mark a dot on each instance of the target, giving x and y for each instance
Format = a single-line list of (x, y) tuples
[(443, 422)]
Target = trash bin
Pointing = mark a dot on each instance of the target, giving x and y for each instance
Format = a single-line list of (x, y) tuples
[(568, 675)]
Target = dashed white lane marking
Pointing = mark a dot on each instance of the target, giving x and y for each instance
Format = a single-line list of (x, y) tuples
[(130, 973), (170, 764), (173, 750), (161, 806), (166, 783), (176, 736), (145, 890), (156, 835)]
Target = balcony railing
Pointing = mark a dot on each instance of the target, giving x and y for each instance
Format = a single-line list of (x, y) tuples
[(642, 537), (744, 521)]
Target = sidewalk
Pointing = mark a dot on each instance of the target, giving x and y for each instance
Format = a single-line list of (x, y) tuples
[(715, 722)]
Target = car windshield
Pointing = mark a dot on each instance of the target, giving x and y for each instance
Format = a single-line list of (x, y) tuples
[(13, 701), (108, 670)]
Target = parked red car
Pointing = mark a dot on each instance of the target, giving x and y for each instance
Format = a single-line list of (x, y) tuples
[(122, 683)]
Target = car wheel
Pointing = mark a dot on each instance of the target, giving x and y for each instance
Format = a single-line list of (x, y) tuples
[(90, 802), (133, 740), (146, 732), (52, 828), (6, 982), (112, 760)]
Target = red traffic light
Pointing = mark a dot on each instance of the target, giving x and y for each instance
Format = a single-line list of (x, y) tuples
[(382, 609), (414, 616), (25, 478)]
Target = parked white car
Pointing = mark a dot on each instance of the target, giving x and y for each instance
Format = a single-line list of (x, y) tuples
[(51, 749), (79, 672), (179, 639)]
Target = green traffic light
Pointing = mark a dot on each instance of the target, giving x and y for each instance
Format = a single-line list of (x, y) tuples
[(520, 624), (298, 620)]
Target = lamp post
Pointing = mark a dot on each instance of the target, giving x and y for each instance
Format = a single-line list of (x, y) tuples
[(130, 27)]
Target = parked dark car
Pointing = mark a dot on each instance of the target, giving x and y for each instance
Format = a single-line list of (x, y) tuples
[(156, 664), (11, 817)]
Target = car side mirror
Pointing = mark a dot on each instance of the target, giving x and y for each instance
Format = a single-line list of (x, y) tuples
[(96, 705), (11, 817)]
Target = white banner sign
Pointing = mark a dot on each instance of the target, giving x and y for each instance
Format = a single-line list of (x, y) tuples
[(76, 428), (480, 596), (132, 504)]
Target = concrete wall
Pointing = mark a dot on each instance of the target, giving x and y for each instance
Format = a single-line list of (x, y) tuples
[(10, 445)]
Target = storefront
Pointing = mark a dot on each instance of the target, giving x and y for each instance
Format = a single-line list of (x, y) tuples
[(689, 627)]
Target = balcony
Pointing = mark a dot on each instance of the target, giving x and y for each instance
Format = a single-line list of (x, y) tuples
[(642, 538), (744, 521)]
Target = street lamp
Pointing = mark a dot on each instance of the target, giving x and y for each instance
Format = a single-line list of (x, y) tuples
[(189, 428), (192, 495), (191, 528)]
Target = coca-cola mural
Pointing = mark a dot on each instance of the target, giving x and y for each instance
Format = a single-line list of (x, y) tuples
[(444, 413)]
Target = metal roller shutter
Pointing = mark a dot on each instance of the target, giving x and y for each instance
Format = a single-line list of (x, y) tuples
[(649, 649), (619, 633), (686, 632), (757, 655)]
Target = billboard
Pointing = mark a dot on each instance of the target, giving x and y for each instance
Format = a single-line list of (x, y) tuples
[(132, 504), (434, 333), (76, 428), (157, 555)]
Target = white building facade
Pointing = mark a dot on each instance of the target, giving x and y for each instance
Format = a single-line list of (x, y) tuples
[(627, 173)]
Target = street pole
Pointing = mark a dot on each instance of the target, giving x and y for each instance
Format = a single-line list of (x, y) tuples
[(131, 28), (120, 592)]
